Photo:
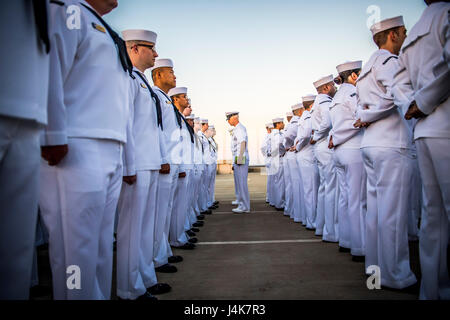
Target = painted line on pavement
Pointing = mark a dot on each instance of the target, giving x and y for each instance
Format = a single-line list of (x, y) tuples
[(260, 242)]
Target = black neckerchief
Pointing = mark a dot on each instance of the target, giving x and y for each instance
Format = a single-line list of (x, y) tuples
[(121, 47), (154, 96), (177, 113), (41, 19), (191, 131)]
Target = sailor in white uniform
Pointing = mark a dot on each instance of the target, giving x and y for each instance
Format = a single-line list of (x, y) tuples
[(211, 165), (207, 163), (192, 186), (387, 153), (214, 152), (83, 144), (277, 164), (200, 167), (423, 82), (240, 161), (23, 113), (326, 217), (306, 162), (137, 205), (177, 235), (288, 195), (265, 147), (292, 167), (234, 202), (164, 79), (346, 140)]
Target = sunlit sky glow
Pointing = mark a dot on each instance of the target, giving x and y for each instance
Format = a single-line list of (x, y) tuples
[(258, 57)]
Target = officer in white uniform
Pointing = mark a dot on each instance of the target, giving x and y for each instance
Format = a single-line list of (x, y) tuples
[(346, 139), (240, 162), (137, 205), (386, 149), (265, 150), (306, 162), (422, 83), (288, 195), (211, 165), (292, 167), (277, 164), (326, 217), (83, 144), (164, 79), (177, 235), (23, 112)]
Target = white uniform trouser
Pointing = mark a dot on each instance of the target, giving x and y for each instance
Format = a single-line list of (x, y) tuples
[(327, 172), (166, 189), (267, 181), (294, 172), (212, 181), (241, 173), (78, 200), (287, 185), (274, 165), (204, 189), (19, 178), (388, 174), (236, 190), (354, 199), (278, 188), (135, 235), (177, 235), (191, 217), (323, 157), (310, 182), (415, 189), (434, 160), (197, 190)]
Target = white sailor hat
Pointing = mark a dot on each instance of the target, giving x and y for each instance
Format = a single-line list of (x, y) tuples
[(323, 81), (297, 106), (269, 124), (387, 24), (289, 114), (350, 65), (276, 120), (197, 120), (203, 121), (211, 126), (309, 98), (177, 90), (228, 115), (190, 117), (162, 63), (139, 35)]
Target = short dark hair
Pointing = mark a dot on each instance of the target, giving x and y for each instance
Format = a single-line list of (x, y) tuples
[(343, 76), (380, 38)]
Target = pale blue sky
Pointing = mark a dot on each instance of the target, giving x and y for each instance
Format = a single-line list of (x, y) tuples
[(256, 56)]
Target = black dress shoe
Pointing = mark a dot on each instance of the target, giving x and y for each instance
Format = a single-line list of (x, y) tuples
[(167, 268), (190, 233), (201, 217), (216, 203), (175, 259), (147, 296), (311, 229), (186, 246), (193, 240), (358, 258), (198, 224), (195, 230), (279, 209), (326, 241), (342, 249), (206, 212), (213, 207), (159, 288)]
